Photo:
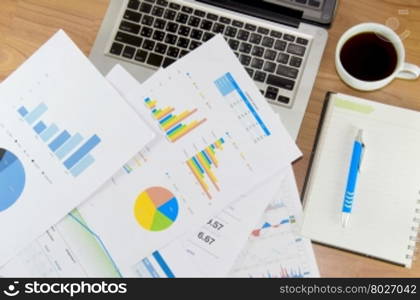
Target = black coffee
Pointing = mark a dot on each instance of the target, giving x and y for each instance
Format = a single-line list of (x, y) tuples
[(369, 56)]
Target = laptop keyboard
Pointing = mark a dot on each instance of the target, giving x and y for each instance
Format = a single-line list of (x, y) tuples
[(157, 32)]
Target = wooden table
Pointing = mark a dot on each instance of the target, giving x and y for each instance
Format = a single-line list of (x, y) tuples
[(26, 24)]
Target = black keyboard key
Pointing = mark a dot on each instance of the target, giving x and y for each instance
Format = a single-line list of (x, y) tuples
[(150, 1), (218, 28), (116, 48), (224, 20), (233, 44), (130, 27), (207, 36), (283, 58), (199, 13), (167, 61), (194, 21), (187, 9), (280, 45), (159, 24), (314, 3), (172, 27), (260, 76), (157, 11), (162, 2), (267, 42), (263, 30), (183, 53), (174, 6), (141, 55), (257, 63), (169, 14), (212, 17), (296, 49), (280, 82), (173, 52), (206, 24), (170, 39), (155, 59), (255, 38), (128, 39), (182, 18), (231, 31), (158, 35), (129, 52), (194, 44), (250, 71), (160, 48), (238, 23), (242, 35), (271, 93), (132, 16), (245, 59), (269, 67), (288, 37), (146, 32), (295, 61), (270, 54), (287, 71), (302, 41), (196, 34), (183, 42), (147, 20), (245, 47), (275, 34), (184, 30), (134, 4), (250, 27), (257, 51), (283, 99), (148, 45), (145, 7)]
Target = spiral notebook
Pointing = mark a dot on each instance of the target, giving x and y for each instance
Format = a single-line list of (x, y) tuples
[(386, 208)]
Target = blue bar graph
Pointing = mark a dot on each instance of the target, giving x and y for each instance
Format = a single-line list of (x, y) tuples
[(82, 151), (22, 111), (48, 133), (82, 165), (69, 146), (59, 140), (36, 113), (40, 127), (162, 263)]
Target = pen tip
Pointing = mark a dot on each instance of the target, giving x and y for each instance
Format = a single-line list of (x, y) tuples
[(344, 220)]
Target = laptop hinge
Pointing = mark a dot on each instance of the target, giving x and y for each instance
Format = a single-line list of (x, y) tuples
[(260, 9)]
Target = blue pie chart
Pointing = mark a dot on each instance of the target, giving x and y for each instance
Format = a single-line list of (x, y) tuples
[(12, 179)]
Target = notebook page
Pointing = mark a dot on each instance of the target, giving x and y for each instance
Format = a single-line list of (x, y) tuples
[(388, 185)]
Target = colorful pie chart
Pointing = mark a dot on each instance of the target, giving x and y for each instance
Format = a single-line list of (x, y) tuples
[(12, 179), (156, 209)]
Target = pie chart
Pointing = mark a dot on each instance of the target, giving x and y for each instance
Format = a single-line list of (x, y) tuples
[(156, 209), (12, 179)]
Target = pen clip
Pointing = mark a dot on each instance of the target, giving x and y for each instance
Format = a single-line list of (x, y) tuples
[(361, 157)]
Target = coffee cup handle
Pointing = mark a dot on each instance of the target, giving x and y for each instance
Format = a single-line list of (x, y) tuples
[(409, 71)]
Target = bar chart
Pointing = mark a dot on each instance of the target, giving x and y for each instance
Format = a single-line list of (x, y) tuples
[(171, 123), (73, 150), (202, 163)]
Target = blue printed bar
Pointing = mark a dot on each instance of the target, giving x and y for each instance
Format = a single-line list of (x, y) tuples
[(40, 127), (22, 111), (36, 113), (150, 268), (162, 263), (82, 165), (59, 140), (69, 146), (48, 133), (82, 152)]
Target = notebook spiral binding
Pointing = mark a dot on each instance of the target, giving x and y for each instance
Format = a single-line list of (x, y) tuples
[(414, 240)]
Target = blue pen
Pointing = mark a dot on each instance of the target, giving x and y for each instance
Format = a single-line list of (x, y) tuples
[(356, 159)]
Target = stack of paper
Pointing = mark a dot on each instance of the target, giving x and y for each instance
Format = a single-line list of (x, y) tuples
[(211, 157)]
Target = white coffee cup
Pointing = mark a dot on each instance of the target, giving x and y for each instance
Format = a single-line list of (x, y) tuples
[(402, 70)]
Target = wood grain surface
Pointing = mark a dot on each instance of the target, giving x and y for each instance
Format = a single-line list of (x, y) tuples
[(26, 24)]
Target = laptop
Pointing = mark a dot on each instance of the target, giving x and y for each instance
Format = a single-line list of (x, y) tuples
[(279, 42)]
